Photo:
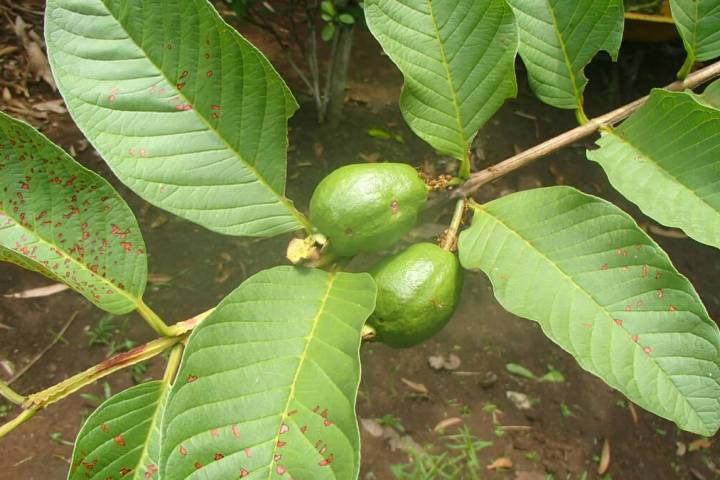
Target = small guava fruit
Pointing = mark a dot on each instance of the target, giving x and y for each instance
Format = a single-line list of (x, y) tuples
[(367, 207), (418, 290)]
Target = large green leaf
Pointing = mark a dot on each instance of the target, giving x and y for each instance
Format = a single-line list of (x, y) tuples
[(458, 60), (268, 382), (185, 111), (121, 439), (698, 23), (711, 94), (605, 292), (558, 38), (66, 222), (666, 159)]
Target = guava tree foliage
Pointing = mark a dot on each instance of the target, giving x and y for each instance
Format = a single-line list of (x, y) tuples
[(193, 118)]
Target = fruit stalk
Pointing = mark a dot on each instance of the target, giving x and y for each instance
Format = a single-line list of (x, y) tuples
[(449, 242)]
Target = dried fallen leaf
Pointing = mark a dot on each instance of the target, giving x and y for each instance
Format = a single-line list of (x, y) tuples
[(452, 362), (418, 387), (372, 426), (664, 232), (633, 412), (319, 149), (500, 463), (700, 443), (448, 422), (37, 60), (436, 362), (159, 278), (604, 458), (520, 400), (55, 106), (370, 157), (681, 449), (39, 292)]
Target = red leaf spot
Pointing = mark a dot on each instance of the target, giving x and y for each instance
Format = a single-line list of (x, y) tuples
[(658, 275), (284, 429), (56, 180), (618, 322), (327, 461), (647, 349), (218, 456), (327, 423), (70, 181), (628, 308), (184, 74), (659, 293), (215, 107), (235, 431), (673, 308), (215, 432), (281, 444), (183, 107), (182, 451), (280, 470), (277, 457), (645, 270), (151, 470), (248, 452), (180, 85), (124, 471), (127, 246), (244, 473), (198, 465), (143, 153), (634, 338), (303, 429), (604, 266), (104, 428), (191, 378), (210, 73), (324, 413), (119, 440), (24, 186)]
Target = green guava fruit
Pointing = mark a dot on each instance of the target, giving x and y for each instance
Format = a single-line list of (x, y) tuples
[(367, 207), (418, 290)]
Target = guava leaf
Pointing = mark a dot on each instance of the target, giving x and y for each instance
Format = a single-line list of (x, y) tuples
[(558, 38), (121, 439), (185, 111), (458, 59), (268, 382), (606, 293), (711, 94), (697, 21), (665, 158), (66, 222)]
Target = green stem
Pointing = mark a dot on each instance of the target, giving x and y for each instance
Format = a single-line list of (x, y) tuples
[(580, 115), (687, 66), (464, 171), (450, 241), (173, 363), (113, 364), (11, 394), (24, 416), (153, 319)]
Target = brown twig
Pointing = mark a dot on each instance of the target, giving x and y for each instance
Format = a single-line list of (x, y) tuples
[(498, 170)]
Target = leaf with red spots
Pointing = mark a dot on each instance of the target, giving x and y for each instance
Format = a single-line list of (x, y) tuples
[(276, 370), (121, 439), (664, 158), (545, 251), (66, 222), (209, 147)]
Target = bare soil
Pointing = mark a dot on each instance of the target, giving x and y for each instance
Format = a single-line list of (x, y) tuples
[(561, 434)]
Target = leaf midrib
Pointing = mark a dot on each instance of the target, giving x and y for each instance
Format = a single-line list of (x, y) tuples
[(260, 178), (563, 49), (303, 356), (64, 255), (162, 398), (679, 394), (451, 85)]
